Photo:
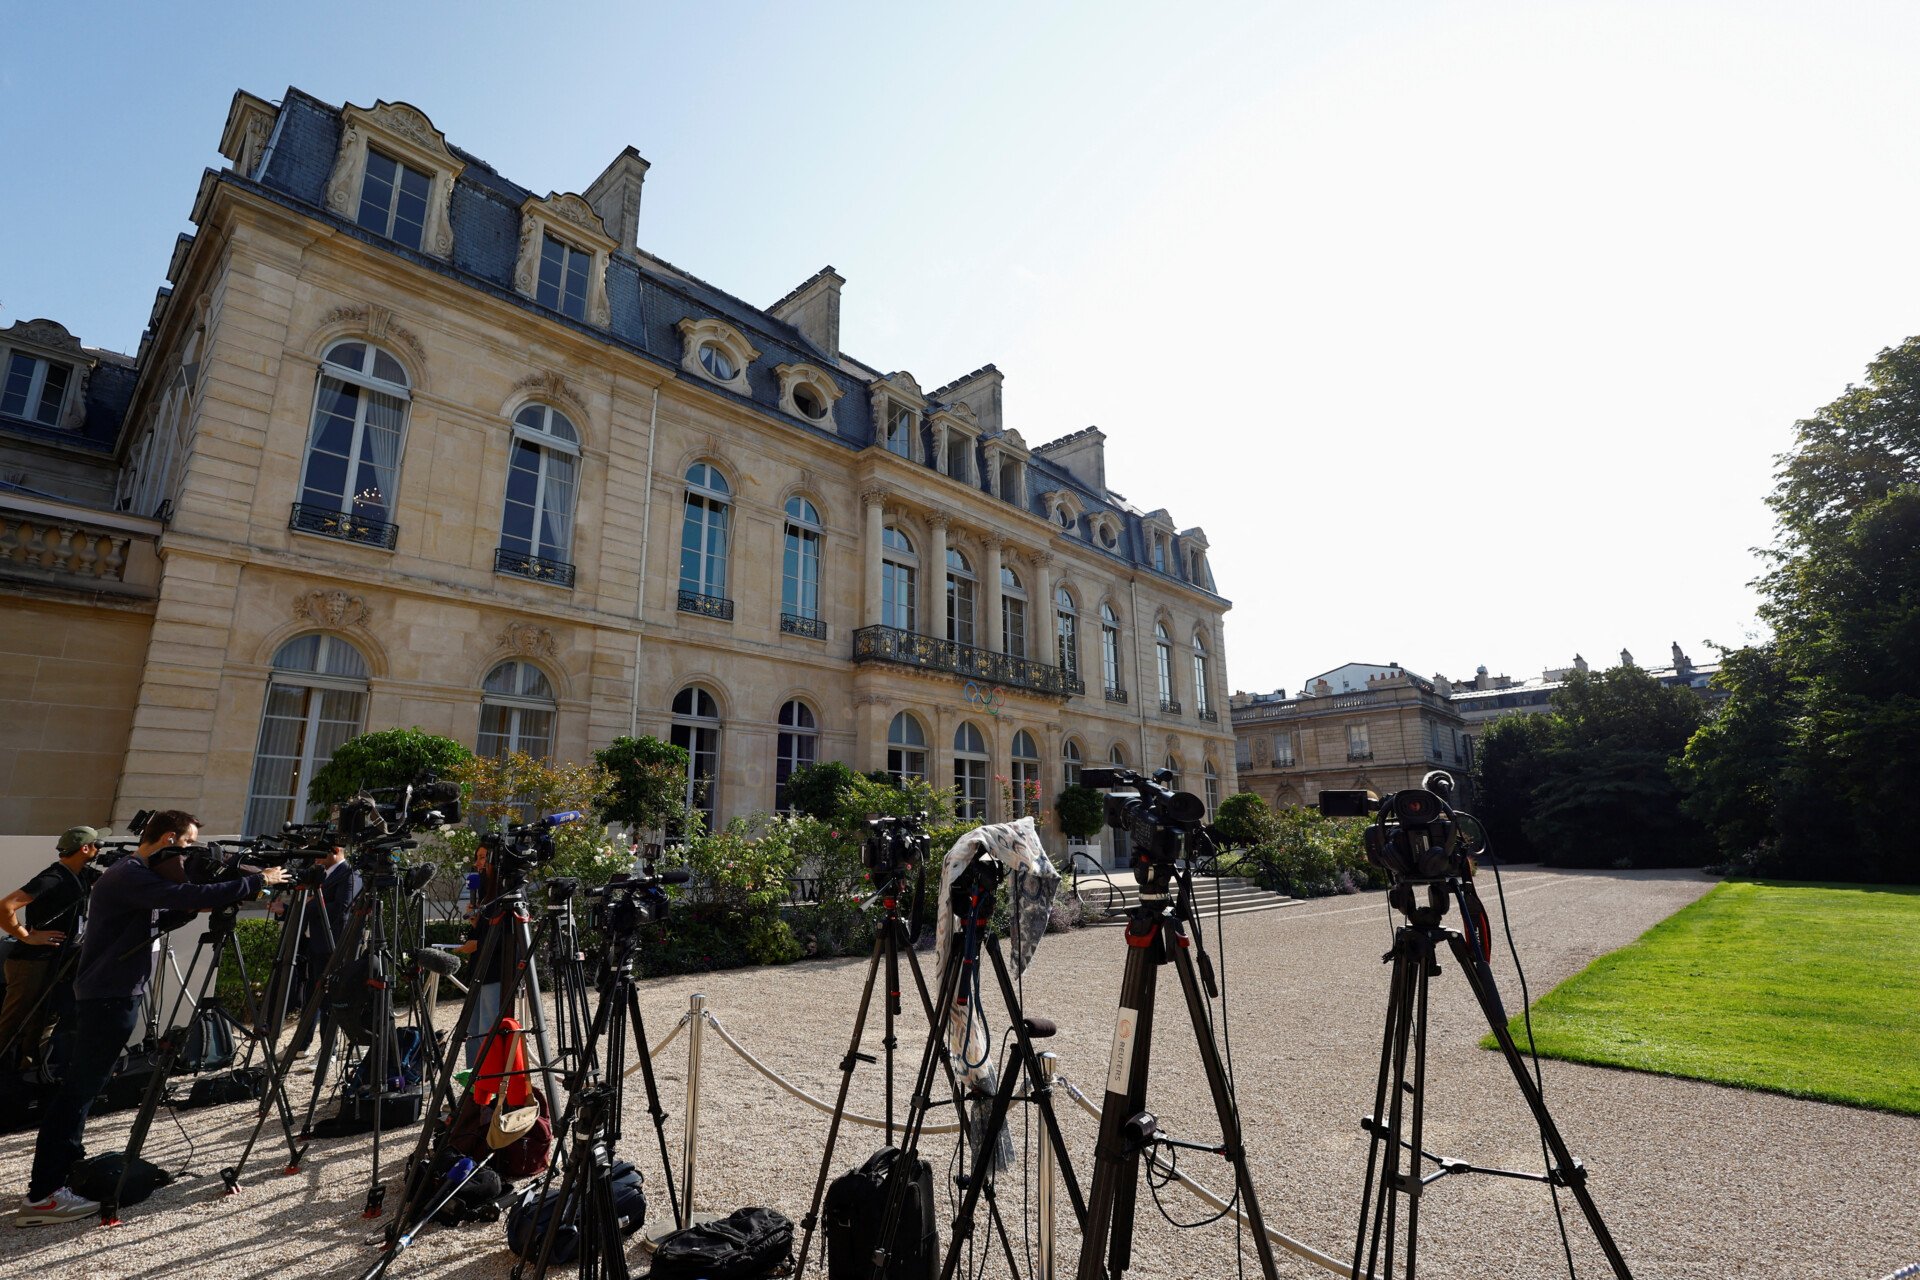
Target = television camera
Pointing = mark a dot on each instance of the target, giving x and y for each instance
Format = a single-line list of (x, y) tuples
[(1419, 838), (1156, 820), (895, 844)]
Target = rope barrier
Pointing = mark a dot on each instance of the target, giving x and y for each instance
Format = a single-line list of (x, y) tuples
[(1205, 1196), (1907, 1272), (817, 1104), (660, 1048)]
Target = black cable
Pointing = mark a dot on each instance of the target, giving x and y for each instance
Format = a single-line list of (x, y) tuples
[(1533, 1051)]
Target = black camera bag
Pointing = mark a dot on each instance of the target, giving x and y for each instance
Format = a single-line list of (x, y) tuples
[(206, 1043), (527, 1221), (356, 1110), (97, 1176), (747, 1244), (857, 1201), (243, 1085)]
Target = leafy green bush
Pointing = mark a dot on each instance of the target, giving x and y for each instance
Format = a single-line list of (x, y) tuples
[(1083, 812), (385, 758), (646, 781), (814, 789), (1306, 855), (1243, 819)]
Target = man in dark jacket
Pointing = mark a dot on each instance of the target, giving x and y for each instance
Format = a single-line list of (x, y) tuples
[(325, 921), (44, 916), (116, 960)]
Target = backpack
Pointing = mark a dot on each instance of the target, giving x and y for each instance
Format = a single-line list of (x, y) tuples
[(527, 1221), (528, 1154), (97, 1176), (404, 1061), (205, 1043), (243, 1085), (477, 1200), (855, 1204), (747, 1244)]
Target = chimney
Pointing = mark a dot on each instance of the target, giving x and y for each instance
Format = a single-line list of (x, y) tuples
[(814, 309), (1082, 455), (615, 196), (980, 392), (1626, 659), (1579, 663), (1682, 664)]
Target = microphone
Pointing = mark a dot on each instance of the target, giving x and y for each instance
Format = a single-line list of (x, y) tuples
[(674, 875), (562, 818), (444, 963), (436, 793)]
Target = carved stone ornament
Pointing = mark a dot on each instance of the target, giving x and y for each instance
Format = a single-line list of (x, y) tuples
[(527, 639), (572, 208), (547, 385), (335, 609), (377, 322), (407, 133), (48, 334), (873, 497), (571, 219)]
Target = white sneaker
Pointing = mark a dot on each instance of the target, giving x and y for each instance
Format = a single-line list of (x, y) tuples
[(62, 1206)]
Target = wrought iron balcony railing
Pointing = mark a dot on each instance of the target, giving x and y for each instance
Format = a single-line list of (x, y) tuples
[(1209, 715), (795, 625), (710, 606), (538, 568), (328, 523), (890, 644), (1170, 705), (1359, 755), (1116, 694)]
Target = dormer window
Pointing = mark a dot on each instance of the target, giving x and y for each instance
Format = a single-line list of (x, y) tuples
[(1160, 553), (959, 459), (564, 271), (393, 199), (36, 389), (1106, 531), (714, 351), (807, 392), (897, 409), (900, 432)]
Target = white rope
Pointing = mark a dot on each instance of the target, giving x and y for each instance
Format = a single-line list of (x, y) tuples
[(1286, 1242), (818, 1105), (1907, 1272), (661, 1048)]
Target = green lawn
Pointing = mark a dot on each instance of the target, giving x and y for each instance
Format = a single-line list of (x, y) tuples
[(1805, 989)]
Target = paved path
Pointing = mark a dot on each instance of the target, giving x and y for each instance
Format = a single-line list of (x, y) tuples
[(1697, 1182)]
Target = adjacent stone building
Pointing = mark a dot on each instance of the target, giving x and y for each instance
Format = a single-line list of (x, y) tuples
[(409, 444), (1384, 733)]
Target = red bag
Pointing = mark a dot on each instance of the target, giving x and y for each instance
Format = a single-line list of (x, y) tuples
[(502, 1084)]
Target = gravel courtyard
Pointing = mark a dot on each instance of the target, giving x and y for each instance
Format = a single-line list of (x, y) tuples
[(1697, 1182)]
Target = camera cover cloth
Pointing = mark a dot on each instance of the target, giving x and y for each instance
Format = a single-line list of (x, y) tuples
[(1030, 885)]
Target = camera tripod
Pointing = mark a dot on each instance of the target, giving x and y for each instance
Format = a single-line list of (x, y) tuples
[(1415, 960), (365, 939), (593, 1110), (170, 1043), (973, 898), (1156, 935), (510, 941)]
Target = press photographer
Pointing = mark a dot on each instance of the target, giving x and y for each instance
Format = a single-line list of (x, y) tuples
[(43, 917), (116, 960)]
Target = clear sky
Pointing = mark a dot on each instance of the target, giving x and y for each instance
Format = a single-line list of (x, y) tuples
[(1467, 331)]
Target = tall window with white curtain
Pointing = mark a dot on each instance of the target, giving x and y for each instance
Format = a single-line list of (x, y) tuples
[(316, 700), (541, 478), (516, 711), (800, 561), (696, 730), (970, 764), (960, 597), (703, 532), (359, 419), (797, 746), (899, 569)]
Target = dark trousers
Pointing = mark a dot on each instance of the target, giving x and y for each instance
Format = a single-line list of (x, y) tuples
[(101, 1031)]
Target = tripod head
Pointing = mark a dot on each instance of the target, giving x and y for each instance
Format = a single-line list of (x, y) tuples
[(976, 890), (1421, 841), (1159, 822)]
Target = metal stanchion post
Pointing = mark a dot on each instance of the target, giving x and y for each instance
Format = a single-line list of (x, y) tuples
[(690, 1147), (1043, 1195)]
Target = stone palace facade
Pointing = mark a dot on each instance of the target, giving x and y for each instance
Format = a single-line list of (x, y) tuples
[(408, 444)]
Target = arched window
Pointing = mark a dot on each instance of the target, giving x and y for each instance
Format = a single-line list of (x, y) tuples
[(1163, 662), (516, 711), (797, 747), (1110, 652), (970, 772), (1025, 775), (906, 749), (1212, 795), (703, 541), (536, 530), (1066, 633), (1172, 767), (1013, 614), (1201, 703), (960, 588), (1070, 762), (899, 567), (351, 477), (696, 729), (800, 568), (1117, 757), (316, 700)]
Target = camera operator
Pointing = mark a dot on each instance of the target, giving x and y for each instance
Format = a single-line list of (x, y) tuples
[(116, 959), (338, 887), (53, 903), (486, 997)]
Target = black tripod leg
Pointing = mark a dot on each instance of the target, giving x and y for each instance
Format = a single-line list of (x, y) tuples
[(1224, 1104), (654, 1109), (1375, 1120), (1572, 1173), (1038, 1088), (812, 1220), (1116, 1167)]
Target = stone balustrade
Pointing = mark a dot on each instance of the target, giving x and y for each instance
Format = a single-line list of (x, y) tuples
[(46, 541)]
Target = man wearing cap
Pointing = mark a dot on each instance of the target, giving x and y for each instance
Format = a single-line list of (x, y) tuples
[(116, 960), (43, 916)]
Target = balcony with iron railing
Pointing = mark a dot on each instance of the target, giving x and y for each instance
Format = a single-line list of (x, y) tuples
[(328, 522), (1116, 694), (537, 568), (1208, 714), (706, 606), (46, 542), (794, 624), (1171, 706), (930, 653)]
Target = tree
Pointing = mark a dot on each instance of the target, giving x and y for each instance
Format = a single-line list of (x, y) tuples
[(1509, 763), (646, 781), (1243, 819), (814, 789), (384, 758), (1082, 812), (1806, 769)]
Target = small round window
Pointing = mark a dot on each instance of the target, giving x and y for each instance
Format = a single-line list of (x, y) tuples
[(717, 362), (808, 401)]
